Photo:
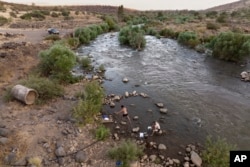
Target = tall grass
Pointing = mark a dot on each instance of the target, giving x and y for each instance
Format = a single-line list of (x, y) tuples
[(216, 153)]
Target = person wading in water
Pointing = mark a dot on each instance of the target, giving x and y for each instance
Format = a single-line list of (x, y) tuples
[(124, 112)]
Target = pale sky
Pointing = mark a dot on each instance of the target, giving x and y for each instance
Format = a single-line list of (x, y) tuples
[(135, 4)]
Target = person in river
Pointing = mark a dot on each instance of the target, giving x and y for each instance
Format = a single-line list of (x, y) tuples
[(156, 128), (124, 112)]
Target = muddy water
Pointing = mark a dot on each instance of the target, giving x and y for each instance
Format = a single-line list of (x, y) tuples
[(204, 96)]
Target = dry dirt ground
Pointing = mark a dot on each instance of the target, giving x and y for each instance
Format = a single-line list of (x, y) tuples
[(38, 131)]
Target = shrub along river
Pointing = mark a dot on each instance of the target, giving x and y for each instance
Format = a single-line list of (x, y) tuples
[(204, 96)]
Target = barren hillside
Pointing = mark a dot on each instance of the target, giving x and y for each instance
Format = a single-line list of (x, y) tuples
[(231, 6)]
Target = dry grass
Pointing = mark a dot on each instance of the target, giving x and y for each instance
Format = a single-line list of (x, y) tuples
[(16, 142)]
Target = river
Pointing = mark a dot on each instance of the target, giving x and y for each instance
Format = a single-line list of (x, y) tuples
[(204, 96)]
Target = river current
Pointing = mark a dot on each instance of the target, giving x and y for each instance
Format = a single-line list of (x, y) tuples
[(204, 96)]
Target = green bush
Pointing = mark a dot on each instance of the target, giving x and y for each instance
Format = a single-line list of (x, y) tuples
[(13, 14), (85, 63), (127, 152), (102, 133), (34, 14), (104, 27), (222, 17), (101, 68), (132, 36), (3, 20), (90, 105), (231, 46), (212, 26), (65, 12), (151, 31), (57, 62), (169, 33), (83, 34), (111, 23), (73, 42), (54, 14), (216, 153), (188, 38), (212, 14), (46, 88)]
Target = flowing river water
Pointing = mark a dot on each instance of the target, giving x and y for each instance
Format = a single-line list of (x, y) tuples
[(204, 96)]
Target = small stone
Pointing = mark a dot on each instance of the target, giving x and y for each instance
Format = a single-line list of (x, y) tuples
[(188, 149), (4, 132), (60, 152), (126, 94), (160, 105), (186, 164), (3, 140), (135, 130), (186, 158), (125, 80), (112, 104), (152, 158), (162, 147), (171, 162), (135, 118), (176, 161), (80, 157), (164, 110)]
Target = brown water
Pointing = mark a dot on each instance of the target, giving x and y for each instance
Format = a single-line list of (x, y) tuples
[(204, 96)]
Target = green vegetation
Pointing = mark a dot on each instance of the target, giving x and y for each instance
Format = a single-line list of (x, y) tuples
[(127, 152), (231, 46), (111, 23), (188, 38), (73, 42), (35, 162), (102, 133), (216, 153), (3, 20), (86, 63), (2, 8), (90, 104), (212, 26), (54, 14), (169, 33), (132, 36), (86, 34), (37, 14), (46, 88), (65, 12), (57, 62), (13, 14), (101, 68)]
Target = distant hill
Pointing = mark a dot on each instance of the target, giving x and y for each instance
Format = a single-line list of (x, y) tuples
[(231, 6), (103, 9)]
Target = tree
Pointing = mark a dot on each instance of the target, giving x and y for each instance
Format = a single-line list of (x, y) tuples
[(120, 13)]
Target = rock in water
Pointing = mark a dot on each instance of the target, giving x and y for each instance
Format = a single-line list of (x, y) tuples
[(125, 80), (196, 159)]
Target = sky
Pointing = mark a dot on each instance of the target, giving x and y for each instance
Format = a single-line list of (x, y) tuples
[(135, 4)]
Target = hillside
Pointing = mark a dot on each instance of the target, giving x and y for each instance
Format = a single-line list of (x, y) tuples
[(231, 6)]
